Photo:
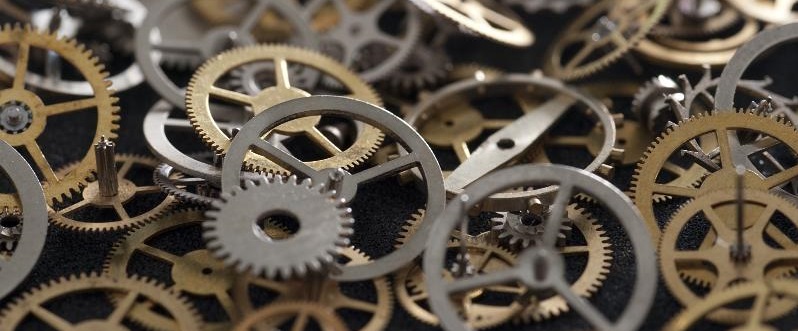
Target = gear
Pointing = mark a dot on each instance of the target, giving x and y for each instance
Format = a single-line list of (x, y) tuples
[(603, 33), (521, 229), (649, 101), (130, 193), (324, 227), (33, 304), (201, 90), (175, 184), (37, 111), (10, 229), (772, 12), (763, 297), (497, 23), (560, 7), (377, 303), (772, 251), (295, 313), (648, 180), (697, 19), (195, 273), (412, 294), (426, 68)]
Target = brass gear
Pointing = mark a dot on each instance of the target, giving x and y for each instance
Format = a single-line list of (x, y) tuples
[(411, 290), (766, 260), (33, 304), (128, 191), (617, 25), (201, 88), (761, 293), (194, 274), (647, 183), (29, 106), (276, 314), (320, 289)]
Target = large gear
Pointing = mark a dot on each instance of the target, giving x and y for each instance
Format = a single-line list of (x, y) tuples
[(376, 303), (297, 313), (25, 105), (713, 259), (604, 33), (195, 273), (130, 193), (412, 294), (324, 227), (762, 310), (648, 182), (34, 303), (201, 90)]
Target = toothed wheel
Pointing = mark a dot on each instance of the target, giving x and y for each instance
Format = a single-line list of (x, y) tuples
[(10, 229), (324, 227), (521, 229), (426, 68), (35, 304)]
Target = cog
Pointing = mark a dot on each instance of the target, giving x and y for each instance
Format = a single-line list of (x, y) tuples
[(174, 183), (10, 228), (324, 227), (278, 313), (32, 108), (426, 68), (185, 317), (522, 229), (201, 90), (130, 193)]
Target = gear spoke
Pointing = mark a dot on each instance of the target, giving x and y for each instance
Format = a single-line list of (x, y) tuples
[(581, 55), (230, 96), (568, 140), (282, 76), (124, 169), (41, 162), (722, 137), (123, 307), (150, 189), (582, 306), (120, 210), (301, 321), (465, 284), (495, 123), (69, 106), (553, 222), (320, 139), (253, 16), (158, 253), (356, 304), (462, 150), (74, 207), (780, 237), (22, 66), (389, 168), (53, 320), (670, 190), (781, 177), (575, 250), (280, 288), (178, 46), (227, 303), (282, 158)]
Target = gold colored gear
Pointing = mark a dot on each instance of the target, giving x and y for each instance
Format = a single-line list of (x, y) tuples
[(646, 186), (325, 291), (761, 293), (195, 273), (411, 290), (766, 261), (33, 304), (299, 312), (409, 228), (56, 188), (625, 23), (128, 190), (201, 88)]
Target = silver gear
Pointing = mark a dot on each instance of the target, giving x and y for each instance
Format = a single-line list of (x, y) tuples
[(523, 229), (10, 228), (354, 39), (324, 227), (163, 177), (649, 102), (557, 6), (426, 68)]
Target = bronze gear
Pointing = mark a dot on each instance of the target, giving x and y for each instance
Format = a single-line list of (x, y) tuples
[(268, 316)]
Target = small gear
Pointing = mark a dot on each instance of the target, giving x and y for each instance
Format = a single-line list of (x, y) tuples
[(376, 302), (10, 228), (426, 68), (176, 184), (34, 303), (560, 6), (201, 91), (324, 227), (24, 114), (296, 312), (130, 193), (521, 229), (697, 19), (649, 101)]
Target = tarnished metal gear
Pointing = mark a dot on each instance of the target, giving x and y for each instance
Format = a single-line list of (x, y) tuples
[(411, 291), (132, 290), (294, 315), (196, 274), (718, 158), (425, 68), (603, 33), (10, 228), (131, 192), (774, 12), (534, 6), (376, 303), (324, 227), (201, 90), (176, 184), (520, 229), (759, 296), (490, 20), (773, 253), (689, 18), (19, 105), (360, 39)]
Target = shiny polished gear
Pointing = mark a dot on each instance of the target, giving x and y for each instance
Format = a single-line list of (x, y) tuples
[(202, 89), (195, 273), (773, 252), (298, 314), (524, 228), (603, 33), (34, 303), (759, 296), (376, 303), (129, 194), (10, 228), (718, 133), (324, 227), (19, 105)]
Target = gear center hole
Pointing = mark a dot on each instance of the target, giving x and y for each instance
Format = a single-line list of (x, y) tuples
[(505, 143), (531, 219), (10, 221), (207, 271), (278, 226)]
